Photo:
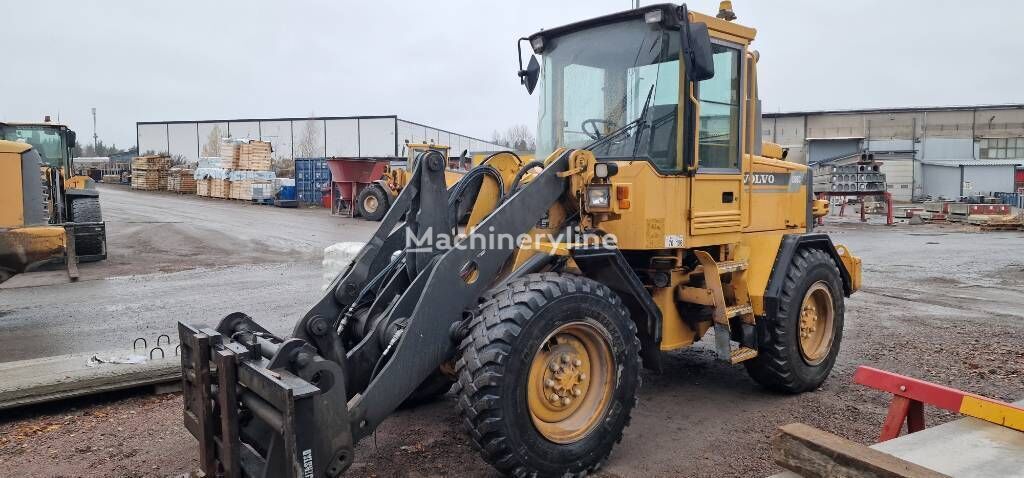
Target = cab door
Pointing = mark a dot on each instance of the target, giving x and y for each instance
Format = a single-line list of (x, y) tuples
[(717, 183)]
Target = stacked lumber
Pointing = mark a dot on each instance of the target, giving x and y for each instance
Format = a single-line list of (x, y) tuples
[(181, 181), (254, 156), (149, 173), (203, 187), (220, 188), (151, 162), (229, 150), (149, 179)]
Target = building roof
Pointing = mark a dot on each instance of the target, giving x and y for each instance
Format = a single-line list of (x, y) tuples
[(836, 138), (954, 163), (904, 109)]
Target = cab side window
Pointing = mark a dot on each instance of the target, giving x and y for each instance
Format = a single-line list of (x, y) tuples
[(720, 112)]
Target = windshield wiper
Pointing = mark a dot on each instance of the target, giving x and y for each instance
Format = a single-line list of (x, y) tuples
[(642, 121), (626, 127)]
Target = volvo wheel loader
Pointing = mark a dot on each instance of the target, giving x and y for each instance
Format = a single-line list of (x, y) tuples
[(656, 217), (47, 214)]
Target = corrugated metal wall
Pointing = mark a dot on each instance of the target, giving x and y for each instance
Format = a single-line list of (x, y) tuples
[(941, 181), (988, 179)]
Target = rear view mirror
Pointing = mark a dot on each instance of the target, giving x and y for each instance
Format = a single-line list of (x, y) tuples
[(528, 76), (700, 61), (72, 139)]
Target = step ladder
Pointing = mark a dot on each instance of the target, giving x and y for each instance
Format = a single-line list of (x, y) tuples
[(724, 312)]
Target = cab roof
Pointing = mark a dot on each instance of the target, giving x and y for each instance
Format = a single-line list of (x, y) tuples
[(31, 123), (16, 147), (670, 18)]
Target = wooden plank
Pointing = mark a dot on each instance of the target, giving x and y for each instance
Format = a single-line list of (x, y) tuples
[(814, 453)]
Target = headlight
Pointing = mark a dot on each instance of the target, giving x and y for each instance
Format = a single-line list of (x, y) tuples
[(599, 196)]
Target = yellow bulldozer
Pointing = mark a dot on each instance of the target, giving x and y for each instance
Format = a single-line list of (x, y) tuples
[(656, 216), (47, 214)]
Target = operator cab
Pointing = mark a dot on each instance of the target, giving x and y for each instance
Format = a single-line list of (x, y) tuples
[(54, 142), (670, 97), (612, 85)]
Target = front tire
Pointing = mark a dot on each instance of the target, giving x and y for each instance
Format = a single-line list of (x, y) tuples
[(87, 209), (548, 375), (804, 339), (372, 203)]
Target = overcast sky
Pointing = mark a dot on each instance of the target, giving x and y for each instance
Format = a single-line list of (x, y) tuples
[(452, 64)]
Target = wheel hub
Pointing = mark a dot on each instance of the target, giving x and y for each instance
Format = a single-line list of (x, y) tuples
[(570, 382), (370, 204), (564, 379), (817, 315)]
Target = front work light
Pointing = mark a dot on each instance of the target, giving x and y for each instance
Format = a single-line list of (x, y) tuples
[(599, 196), (653, 16)]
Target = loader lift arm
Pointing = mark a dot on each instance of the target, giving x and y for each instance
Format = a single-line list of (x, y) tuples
[(261, 405)]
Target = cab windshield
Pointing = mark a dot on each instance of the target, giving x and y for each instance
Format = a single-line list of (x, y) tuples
[(46, 140), (614, 88)]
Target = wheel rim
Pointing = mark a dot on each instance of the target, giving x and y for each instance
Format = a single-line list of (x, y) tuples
[(817, 314), (370, 203), (571, 382)]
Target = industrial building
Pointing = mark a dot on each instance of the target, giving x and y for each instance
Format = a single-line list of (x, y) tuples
[(314, 137), (932, 151)]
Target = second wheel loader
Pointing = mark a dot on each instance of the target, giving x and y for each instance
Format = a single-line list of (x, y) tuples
[(657, 216)]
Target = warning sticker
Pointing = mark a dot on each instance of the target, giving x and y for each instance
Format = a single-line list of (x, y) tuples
[(673, 240), (655, 232)]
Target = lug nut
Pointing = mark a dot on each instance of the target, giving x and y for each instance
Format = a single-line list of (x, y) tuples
[(576, 391), (566, 401), (554, 367), (549, 383), (577, 362), (583, 377), (565, 358), (554, 397)]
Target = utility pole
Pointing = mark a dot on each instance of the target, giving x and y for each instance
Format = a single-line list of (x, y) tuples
[(95, 137)]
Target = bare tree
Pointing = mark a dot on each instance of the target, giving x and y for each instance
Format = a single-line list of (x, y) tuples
[(212, 146), (311, 145), (521, 138), (498, 138), (518, 137)]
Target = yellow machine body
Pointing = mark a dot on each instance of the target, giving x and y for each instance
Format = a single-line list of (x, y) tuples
[(742, 214), (42, 203), (26, 241)]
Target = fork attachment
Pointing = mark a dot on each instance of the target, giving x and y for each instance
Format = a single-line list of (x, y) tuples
[(262, 406), (270, 407)]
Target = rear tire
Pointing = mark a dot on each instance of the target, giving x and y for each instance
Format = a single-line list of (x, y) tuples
[(372, 203), (87, 209), (568, 325), (800, 354)]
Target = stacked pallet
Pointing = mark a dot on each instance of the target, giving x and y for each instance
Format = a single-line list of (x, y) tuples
[(220, 188), (254, 156), (229, 151), (203, 187), (251, 189), (149, 173), (181, 181)]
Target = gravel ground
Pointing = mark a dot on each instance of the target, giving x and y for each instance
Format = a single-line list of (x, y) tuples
[(940, 303)]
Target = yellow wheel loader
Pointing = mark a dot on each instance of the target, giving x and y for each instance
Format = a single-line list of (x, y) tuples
[(373, 202), (656, 216), (46, 213)]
